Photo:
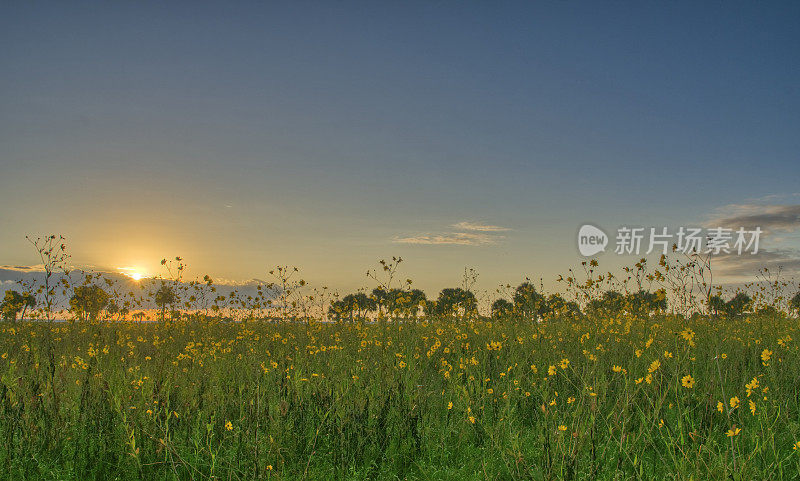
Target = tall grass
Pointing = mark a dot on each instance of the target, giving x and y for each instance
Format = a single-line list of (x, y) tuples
[(618, 397)]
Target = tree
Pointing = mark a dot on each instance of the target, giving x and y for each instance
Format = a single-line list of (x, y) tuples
[(502, 308), (87, 302), (28, 302), (556, 307), (611, 303), (13, 303), (642, 303), (456, 302), (795, 302), (737, 306), (165, 297), (363, 304), (770, 312), (527, 302), (336, 310), (431, 309), (731, 309), (353, 306), (380, 296), (404, 303), (113, 309), (394, 301), (416, 299), (572, 310), (716, 305)]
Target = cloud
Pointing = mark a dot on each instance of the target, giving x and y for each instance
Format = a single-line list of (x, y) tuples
[(463, 234), (746, 266), (778, 252), (221, 281), (750, 216), (455, 238), (474, 226), (36, 268), (774, 197)]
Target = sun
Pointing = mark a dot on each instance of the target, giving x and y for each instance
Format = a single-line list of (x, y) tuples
[(134, 273)]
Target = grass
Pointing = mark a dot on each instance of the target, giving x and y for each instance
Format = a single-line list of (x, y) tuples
[(580, 399)]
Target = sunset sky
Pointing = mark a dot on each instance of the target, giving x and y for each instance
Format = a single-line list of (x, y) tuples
[(329, 135)]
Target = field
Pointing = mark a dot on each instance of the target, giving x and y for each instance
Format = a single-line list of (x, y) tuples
[(205, 209), (618, 397)]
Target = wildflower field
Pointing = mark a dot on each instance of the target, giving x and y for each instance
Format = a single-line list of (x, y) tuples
[(619, 397)]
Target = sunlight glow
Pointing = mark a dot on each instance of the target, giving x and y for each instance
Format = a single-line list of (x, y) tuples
[(134, 273)]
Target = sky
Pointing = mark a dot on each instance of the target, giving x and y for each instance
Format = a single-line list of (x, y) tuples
[(329, 135)]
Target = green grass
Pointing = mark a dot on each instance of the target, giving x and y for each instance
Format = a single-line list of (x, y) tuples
[(350, 401)]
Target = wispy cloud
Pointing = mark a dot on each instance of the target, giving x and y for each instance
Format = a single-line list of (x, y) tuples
[(778, 251), (36, 268), (455, 238), (745, 267), (463, 234), (776, 197), (474, 226), (221, 281), (750, 216)]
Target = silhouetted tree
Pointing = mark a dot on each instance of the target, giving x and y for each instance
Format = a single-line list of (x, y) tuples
[(572, 310), (431, 309), (556, 307), (165, 297), (354, 306), (795, 303), (87, 302), (613, 301), (336, 310), (528, 302), (502, 308), (610, 304), (642, 303), (417, 299), (112, 309), (716, 305), (737, 306), (405, 303), (14, 303), (28, 302), (379, 296), (393, 300), (456, 302), (770, 312)]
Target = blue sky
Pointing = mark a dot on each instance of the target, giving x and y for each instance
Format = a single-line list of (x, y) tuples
[(242, 135)]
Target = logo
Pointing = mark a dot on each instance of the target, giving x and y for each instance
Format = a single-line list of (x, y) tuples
[(688, 240), (591, 240)]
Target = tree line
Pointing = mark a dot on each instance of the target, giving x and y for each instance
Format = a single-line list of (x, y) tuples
[(92, 302)]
